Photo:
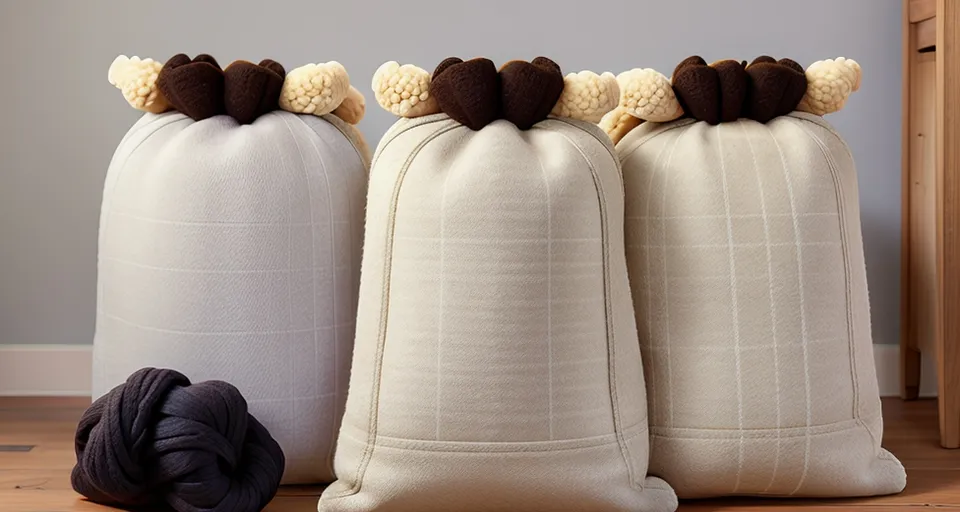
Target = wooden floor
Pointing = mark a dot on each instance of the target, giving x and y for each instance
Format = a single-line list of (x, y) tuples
[(39, 480)]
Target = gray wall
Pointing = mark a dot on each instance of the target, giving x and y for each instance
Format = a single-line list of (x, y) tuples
[(60, 120)]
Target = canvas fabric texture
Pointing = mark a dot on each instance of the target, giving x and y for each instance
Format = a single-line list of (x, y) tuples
[(747, 270), (231, 252), (496, 365)]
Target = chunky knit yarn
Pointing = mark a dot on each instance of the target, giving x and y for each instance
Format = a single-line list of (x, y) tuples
[(158, 438)]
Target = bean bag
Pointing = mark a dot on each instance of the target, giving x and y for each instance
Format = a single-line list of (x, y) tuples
[(230, 237), (747, 270), (497, 366)]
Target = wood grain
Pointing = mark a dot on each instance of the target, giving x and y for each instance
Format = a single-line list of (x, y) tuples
[(910, 357), (39, 481), (920, 10), (923, 199), (926, 33), (948, 220)]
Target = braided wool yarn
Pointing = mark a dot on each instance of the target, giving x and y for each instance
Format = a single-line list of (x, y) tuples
[(158, 438)]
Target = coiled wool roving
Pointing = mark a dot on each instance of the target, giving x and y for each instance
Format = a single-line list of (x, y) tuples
[(230, 239), (158, 439)]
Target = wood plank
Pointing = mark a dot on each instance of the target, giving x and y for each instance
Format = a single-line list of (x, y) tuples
[(910, 357), (911, 433), (948, 220), (923, 197), (69, 501), (926, 34), (58, 479), (797, 506), (60, 403), (48, 501), (920, 10)]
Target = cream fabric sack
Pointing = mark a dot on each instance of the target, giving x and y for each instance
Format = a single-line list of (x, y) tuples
[(747, 270), (231, 251), (496, 364)]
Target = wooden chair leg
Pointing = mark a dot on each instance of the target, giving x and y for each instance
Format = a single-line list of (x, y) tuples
[(948, 225), (909, 372), (918, 250), (949, 393)]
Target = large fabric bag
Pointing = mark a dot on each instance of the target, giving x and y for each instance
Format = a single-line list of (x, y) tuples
[(230, 241), (496, 364), (747, 269)]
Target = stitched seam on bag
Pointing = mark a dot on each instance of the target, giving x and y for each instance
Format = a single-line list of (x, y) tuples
[(108, 198), (330, 215), (838, 191), (654, 131), (385, 304), (652, 396), (733, 434), (603, 139), (630, 431), (328, 462), (134, 150), (546, 186), (822, 123), (502, 448), (402, 126), (846, 256), (176, 115), (593, 130), (788, 180), (370, 444), (344, 128), (108, 203), (531, 449), (608, 310), (279, 155), (848, 288)]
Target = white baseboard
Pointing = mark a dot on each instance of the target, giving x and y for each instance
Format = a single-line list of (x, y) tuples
[(65, 370), (45, 370)]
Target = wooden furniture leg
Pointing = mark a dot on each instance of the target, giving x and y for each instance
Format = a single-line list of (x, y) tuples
[(948, 220), (909, 351)]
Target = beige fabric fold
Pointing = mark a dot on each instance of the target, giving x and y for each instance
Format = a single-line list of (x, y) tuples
[(496, 364), (747, 270)]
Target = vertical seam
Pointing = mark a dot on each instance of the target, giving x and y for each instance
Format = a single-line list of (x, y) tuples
[(293, 359), (546, 184), (349, 132), (333, 271), (352, 227), (646, 279), (734, 307), (773, 306), (666, 289), (803, 317), (373, 411), (402, 126), (608, 310), (654, 132), (851, 342), (306, 176), (443, 199), (364, 162), (105, 207)]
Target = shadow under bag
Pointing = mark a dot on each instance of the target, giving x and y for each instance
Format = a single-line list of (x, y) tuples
[(496, 365)]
